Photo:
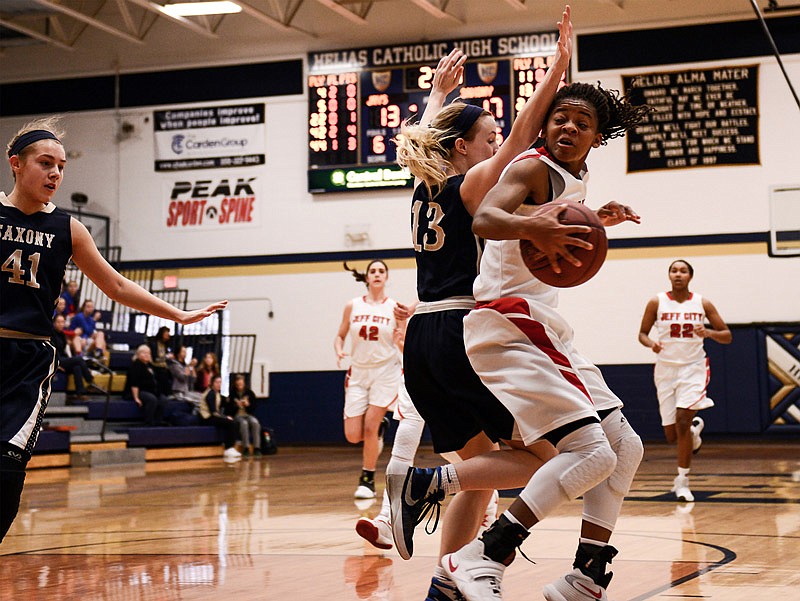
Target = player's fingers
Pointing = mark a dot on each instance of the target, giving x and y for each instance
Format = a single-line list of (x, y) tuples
[(553, 258), (568, 256), (575, 229)]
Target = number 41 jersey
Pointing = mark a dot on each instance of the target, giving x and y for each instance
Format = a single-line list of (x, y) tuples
[(675, 325), (34, 251)]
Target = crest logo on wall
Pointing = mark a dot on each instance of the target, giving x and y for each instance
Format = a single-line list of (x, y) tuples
[(381, 80), (487, 71)]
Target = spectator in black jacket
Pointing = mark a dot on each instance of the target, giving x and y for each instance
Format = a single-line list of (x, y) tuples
[(142, 388), (241, 405), (160, 351), (66, 362)]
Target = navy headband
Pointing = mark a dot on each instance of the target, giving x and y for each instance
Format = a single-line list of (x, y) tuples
[(465, 120), (28, 138)]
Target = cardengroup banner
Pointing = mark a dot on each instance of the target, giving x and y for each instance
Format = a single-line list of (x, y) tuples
[(209, 137), (211, 203)]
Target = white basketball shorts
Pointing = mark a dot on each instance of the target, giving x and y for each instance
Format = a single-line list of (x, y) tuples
[(378, 386), (681, 386)]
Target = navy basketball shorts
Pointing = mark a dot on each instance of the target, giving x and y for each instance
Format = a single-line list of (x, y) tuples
[(27, 368), (443, 386)]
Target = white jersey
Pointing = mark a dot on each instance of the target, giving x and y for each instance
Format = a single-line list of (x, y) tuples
[(675, 324), (372, 333), (502, 272)]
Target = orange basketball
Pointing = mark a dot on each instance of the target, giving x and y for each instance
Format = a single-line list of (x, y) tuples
[(591, 260)]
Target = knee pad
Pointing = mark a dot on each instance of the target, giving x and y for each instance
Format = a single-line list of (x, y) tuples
[(628, 448), (594, 460)]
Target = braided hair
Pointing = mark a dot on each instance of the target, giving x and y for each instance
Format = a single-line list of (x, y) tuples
[(615, 113)]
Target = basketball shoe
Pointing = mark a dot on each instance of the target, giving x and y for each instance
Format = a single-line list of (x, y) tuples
[(366, 488), (588, 580), (696, 428), (376, 532), (477, 576), (680, 486), (443, 589), (413, 495)]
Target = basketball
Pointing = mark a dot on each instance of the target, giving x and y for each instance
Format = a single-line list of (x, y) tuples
[(591, 260)]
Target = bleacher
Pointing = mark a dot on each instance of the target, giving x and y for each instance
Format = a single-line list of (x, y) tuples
[(107, 421)]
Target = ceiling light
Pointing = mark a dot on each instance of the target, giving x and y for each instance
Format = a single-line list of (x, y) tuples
[(193, 9)]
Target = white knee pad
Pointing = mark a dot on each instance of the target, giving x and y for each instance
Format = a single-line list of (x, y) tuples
[(585, 459), (629, 450), (595, 460)]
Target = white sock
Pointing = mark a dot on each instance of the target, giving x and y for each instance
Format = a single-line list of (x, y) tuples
[(683, 472), (590, 541), (511, 518), (450, 483)]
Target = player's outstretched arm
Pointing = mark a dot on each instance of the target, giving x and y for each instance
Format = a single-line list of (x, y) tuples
[(527, 125), (446, 78), (121, 289)]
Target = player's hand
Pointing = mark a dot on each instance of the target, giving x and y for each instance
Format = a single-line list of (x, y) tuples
[(339, 357), (564, 45), (402, 312), (553, 238), (656, 348), (200, 314), (449, 72), (701, 331), (613, 213)]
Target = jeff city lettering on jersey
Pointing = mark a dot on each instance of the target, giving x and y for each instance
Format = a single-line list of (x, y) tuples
[(15, 233)]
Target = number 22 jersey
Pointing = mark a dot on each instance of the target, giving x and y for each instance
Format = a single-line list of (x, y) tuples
[(675, 326)]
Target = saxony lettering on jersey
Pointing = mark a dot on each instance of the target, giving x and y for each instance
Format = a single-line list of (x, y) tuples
[(14, 233)]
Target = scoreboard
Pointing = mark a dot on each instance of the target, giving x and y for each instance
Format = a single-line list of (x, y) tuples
[(358, 99)]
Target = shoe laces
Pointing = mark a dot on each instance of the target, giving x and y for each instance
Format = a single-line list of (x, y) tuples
[(431, 508)]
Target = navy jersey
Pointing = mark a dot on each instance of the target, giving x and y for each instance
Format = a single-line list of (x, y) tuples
[(34, 252), (446, 250)]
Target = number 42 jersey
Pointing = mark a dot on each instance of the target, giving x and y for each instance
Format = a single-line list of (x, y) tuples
[(34, 252)]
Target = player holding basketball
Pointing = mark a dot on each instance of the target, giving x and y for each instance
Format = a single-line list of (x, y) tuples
[(522, 350), (374, 375), (37, 241), (681, 371), (454, 155)]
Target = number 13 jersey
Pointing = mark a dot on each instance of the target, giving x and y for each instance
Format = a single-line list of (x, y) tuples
[(675, 326), (372, 333)]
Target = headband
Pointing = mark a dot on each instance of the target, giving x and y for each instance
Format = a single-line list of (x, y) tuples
[(465, 120), (28, 138)]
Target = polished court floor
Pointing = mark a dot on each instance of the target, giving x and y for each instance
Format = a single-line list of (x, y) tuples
[(281, 528)]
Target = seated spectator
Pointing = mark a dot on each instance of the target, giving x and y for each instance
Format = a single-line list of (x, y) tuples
[(141, 387), (241, 405), (70, 296), (211, 410), (160, 350), (206, 372), (89, 341), (183, 376), (67, 363)]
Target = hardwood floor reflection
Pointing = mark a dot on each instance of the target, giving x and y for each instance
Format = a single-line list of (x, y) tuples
[(281, 527)]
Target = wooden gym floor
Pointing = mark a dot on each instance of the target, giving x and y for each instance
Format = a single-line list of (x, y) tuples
[(281, 527)]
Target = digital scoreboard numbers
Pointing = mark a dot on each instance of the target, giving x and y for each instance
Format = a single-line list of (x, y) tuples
[(359, 99), (333, 119)]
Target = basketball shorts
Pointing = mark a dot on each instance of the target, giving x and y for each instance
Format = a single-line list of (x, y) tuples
[(28, 367), (365, 386), (681, 387), (447, 393), (523, 352)]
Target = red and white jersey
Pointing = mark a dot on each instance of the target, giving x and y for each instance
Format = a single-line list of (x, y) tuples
[(675, 326), (372, 333), (502, 271)]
